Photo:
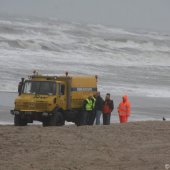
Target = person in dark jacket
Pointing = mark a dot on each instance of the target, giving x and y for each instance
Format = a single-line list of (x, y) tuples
[(108, 107), (98, 107)]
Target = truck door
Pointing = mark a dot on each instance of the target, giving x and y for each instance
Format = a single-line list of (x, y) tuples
[(61, 95)]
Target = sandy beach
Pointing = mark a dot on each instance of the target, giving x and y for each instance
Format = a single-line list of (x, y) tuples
[(130, 146), (141, 144)]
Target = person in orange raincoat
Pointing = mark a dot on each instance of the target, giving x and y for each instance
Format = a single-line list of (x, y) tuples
[(124, 109)]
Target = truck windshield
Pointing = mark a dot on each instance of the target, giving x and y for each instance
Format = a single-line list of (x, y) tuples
[(40, 87)]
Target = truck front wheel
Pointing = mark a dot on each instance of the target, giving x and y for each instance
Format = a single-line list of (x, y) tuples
[(57, 119), (18, 121)]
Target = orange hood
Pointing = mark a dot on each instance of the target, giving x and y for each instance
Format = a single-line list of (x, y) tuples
[(125, 98)]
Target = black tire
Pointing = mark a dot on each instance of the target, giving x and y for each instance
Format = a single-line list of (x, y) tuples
[(56, 119), (18, 121), (45, 123), (79, 121), (82, 119)]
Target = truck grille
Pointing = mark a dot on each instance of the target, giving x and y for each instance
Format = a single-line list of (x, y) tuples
[(35, 106)]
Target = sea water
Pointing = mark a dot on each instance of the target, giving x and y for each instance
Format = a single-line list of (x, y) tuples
[(133, 62)]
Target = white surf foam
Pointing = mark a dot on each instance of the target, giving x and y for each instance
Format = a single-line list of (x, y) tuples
[(56, 47)]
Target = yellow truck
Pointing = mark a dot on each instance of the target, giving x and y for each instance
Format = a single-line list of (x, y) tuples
[(53, 100)]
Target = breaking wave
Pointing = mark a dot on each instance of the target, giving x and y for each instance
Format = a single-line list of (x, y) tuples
[(125, 60)]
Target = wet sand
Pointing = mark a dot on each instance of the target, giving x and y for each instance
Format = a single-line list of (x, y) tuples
[(130, 146)]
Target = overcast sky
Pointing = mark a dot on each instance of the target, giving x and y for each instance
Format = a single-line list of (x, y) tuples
[(143, 14)]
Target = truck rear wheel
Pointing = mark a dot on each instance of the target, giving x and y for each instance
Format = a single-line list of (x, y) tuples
[(56, 119), (45, 123), (82, 119), (18, 121)]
